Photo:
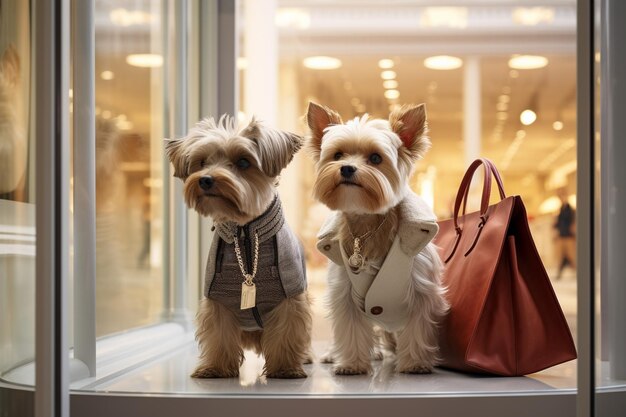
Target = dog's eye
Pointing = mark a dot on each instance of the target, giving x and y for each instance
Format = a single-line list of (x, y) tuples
[(376, 159), (243, 163), (202, 164), (338, 156)]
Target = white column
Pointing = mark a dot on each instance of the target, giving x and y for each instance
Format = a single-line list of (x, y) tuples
[(471, 109), (290, 187), (261, 51)]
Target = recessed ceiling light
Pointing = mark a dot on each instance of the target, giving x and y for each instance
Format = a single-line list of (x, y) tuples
[(322, 62), (145, 60), (528, 62), (443, 62), (124, 125), (502, 115), (107, 75), (388, 75), (558, 125), (385, 63), (504, 98), (502, 106), (527, 117), (392, 94), (355, 101), (390, 84)]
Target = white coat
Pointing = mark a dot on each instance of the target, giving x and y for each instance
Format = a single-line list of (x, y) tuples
[(382, 295)]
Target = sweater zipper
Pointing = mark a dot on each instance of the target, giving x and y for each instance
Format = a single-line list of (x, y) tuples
[(248, 247)]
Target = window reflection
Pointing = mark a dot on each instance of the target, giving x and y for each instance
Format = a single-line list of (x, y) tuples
[(128, 166)]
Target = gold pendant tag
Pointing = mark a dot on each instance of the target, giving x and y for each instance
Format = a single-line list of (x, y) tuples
[(248, 295)]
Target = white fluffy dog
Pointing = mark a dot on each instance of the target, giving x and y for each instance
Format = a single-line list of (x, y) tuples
[(384, 271)]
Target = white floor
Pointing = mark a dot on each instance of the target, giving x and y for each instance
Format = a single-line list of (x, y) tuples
[(170, 375)]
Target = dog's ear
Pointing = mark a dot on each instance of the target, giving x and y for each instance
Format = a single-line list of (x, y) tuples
[(319, 118), (409, 123), (276, 147), (174, 149), (10, 65)]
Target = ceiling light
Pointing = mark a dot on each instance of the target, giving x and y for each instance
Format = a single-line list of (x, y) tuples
[(388, 75), (506, 89), (501, 115), (392, 94), (355, 101), (124, 125), (360, 108), (291, 17), (558, 125), (106, 114), (385, 63), (107, 75), (520, 134), (532, 16), (443, 62), (322, 62), (451, 17), (145, 60), (504, 98), (528, 61), (70, 93), (501, 106), (389, 84), (527, 117)]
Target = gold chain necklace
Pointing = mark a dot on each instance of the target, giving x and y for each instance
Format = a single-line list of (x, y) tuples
[(356, 259), (248, 289)]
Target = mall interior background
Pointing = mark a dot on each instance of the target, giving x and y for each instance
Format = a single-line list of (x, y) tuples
[(478, 66), (355, 57)]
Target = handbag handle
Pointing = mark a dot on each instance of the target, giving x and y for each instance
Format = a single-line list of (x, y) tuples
[(498, 178), (463, 193)]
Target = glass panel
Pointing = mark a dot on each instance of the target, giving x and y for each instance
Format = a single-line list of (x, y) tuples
[(129, 137), (515, 64), (17, 184), (609, 205)]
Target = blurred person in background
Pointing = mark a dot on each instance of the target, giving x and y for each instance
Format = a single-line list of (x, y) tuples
[(566, 239)]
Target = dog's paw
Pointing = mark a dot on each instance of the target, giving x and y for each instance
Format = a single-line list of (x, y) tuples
[(308, 359), (287, 373), (350, 370), (328, 358), (214, 373), (416, 369)]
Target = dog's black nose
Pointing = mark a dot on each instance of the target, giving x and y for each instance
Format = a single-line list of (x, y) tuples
[(206, 182), (347, 171)]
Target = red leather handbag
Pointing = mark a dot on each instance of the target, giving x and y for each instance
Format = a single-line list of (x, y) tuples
[(504, 317)]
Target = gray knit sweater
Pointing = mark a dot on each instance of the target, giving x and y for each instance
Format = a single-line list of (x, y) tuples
[(280, 274)]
